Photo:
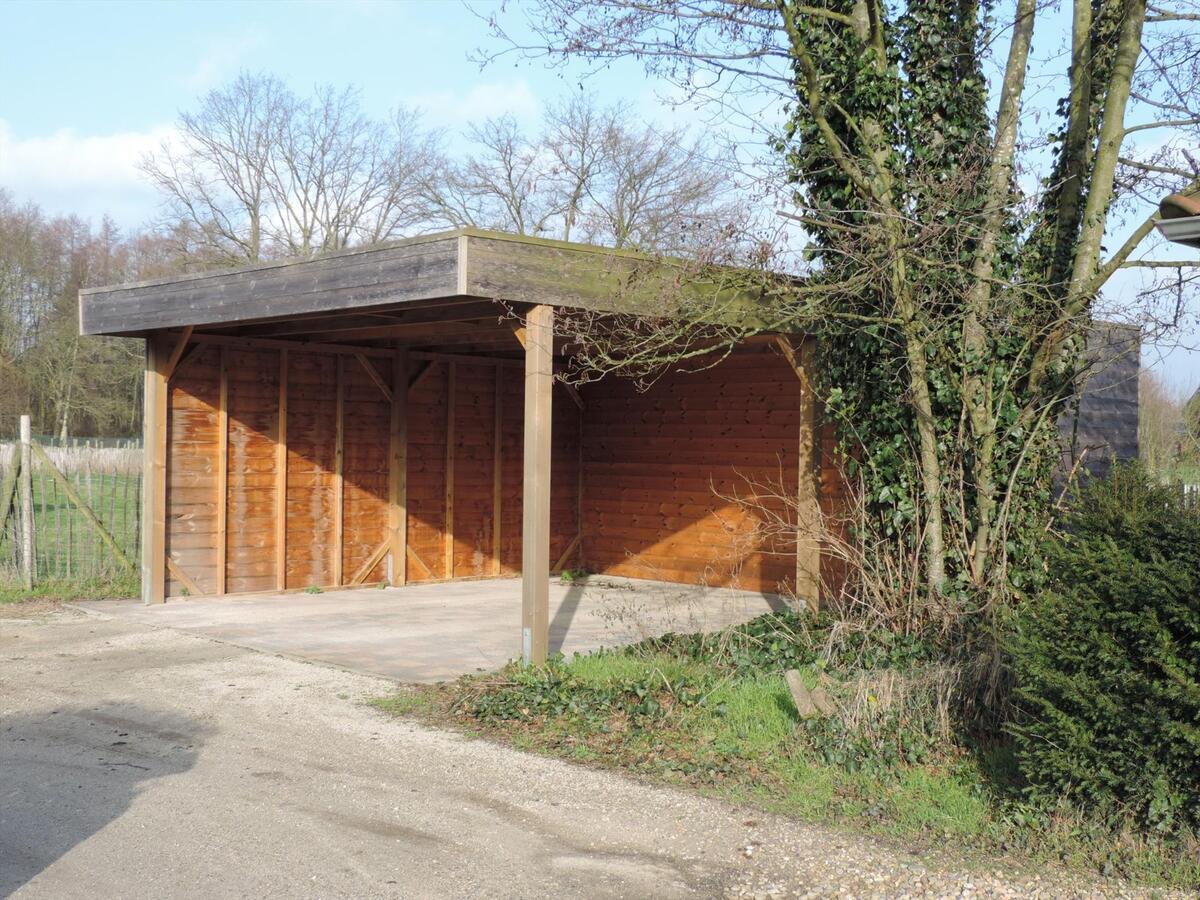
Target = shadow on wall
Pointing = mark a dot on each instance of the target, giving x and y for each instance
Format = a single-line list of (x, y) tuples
[(67, 773)]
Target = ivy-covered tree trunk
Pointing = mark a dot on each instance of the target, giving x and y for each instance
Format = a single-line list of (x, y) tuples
[(951, 300)]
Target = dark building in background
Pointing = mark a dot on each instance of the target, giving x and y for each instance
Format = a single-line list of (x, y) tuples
[(1102, 425)]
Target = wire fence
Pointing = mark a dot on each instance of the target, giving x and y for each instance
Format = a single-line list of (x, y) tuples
[(84, 519), (1191, 495)]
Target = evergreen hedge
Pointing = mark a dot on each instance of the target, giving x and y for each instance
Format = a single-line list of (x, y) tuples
[(1106, 659)]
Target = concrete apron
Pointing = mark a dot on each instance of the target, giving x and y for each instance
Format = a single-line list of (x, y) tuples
[(437, 632)]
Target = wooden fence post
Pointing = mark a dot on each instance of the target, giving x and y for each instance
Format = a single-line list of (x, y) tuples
[(28, 559)]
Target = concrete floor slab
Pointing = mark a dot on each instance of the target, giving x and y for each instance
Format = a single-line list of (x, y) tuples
[(437, 632)]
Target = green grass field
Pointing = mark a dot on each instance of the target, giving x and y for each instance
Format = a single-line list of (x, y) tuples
[(72, 561)]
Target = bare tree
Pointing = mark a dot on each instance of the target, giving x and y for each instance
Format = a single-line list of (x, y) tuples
[(592, 173), (216, 174), (258, 172), (504, 183), (1160, 423)]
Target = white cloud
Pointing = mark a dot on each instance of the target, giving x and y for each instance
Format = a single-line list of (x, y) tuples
[(222, 59), (90, 175), (454, 109)]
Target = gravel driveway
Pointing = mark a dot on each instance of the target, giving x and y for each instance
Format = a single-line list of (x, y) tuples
[(143, 762)]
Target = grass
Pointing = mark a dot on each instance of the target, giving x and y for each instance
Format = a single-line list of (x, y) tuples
[(96, 588), (718, 717)]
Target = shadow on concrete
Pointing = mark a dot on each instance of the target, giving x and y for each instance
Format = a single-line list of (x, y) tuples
[(564, 616), (66, 773)]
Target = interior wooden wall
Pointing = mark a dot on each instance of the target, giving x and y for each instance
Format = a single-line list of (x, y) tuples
[(464, 464), (662, 469)]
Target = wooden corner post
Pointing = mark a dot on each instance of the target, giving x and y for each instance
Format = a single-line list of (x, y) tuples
[(535, 531), (154, 472)]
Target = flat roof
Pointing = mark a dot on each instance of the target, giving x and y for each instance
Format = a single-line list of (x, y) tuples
[(463, 263)]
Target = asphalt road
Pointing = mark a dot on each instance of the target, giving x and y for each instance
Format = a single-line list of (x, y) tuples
[(143, 762)]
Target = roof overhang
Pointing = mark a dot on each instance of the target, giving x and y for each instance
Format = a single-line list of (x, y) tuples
[(466, 263), (1180, 222)]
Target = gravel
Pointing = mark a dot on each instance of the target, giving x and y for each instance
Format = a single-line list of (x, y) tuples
[(144, 762)]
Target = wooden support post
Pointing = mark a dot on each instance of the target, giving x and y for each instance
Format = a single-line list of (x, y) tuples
[(398, 470), (281, 476), (154, 473), (497, 470), (448, 534), (535, 531), (222, 472), (579, 494), (339, 441), (28, 557)]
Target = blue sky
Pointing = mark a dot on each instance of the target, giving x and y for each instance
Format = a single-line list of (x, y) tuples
[(86, 88)]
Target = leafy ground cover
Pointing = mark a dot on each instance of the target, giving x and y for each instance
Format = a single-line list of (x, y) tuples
[(714, 713)]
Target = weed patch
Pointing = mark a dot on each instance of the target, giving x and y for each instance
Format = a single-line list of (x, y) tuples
[(714, 712)]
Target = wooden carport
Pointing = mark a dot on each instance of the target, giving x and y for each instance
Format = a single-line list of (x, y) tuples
[(380, 415)]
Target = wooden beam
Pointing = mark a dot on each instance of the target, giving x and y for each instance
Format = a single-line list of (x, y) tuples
[(398, 470), (154, 473), (535, 531), (420, 375), (222, 537), (519, 333), (463, 310), (572, 393), (373, 374), (225, 340), (179, 575), (281, 475), (189, 355), (420, 333), (448, 533), (566, 554), (789, 353), (415, 270), (416, 557), (339, 439), (467, 358), (579, 492), (177, 353), (371, 561), (497, 470)]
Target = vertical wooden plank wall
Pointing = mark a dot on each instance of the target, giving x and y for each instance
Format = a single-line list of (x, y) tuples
[(252, 391), (661, 466), (311, 492), (191, 489), (365, 471), (474, 458), (437, 475)]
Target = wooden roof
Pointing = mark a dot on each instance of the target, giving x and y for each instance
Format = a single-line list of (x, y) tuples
[(427, 272)]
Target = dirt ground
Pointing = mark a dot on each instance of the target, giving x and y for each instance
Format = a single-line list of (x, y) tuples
[(146, 762)]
